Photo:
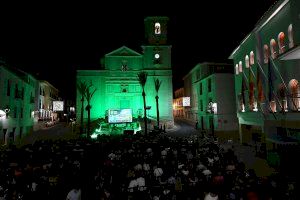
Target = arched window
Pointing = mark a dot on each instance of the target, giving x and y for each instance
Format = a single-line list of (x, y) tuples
[(273, 46), (295, 94), (291, 36), (251, 58), (266, 53), (157, 30), (240, 66), (247, 61), (237, 69), (281, 45)]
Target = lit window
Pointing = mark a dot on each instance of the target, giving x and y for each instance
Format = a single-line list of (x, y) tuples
[(273, 46), (240, 66), (237, 69), (266, 53), (251, 58), (281, 37), (157, 28), (291, 36), (247, 61)]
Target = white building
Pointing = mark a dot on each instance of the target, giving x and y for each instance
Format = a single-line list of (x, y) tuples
[(17, 93), (46, 94), (210, 86)]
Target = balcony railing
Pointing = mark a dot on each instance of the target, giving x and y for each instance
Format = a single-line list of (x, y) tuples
[(291, 104)]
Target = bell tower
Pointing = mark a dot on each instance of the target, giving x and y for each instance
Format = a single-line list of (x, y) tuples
[(157, 52), (156, 30), (157, 63)]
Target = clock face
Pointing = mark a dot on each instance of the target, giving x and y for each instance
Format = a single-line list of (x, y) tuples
[(156, 56)]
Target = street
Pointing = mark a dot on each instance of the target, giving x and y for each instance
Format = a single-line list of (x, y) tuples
[(56, 132), (245, 154), (183, 129)]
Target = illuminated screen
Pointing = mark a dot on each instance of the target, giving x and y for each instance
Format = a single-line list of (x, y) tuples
[(119, 116), (186, 101), (58, 106)]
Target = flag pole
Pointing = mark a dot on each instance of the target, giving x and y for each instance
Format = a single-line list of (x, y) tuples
[(272, 89), (247, 83), (262, 71), (285, 86)]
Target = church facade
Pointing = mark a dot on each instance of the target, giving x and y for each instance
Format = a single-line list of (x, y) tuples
[(117, 80)]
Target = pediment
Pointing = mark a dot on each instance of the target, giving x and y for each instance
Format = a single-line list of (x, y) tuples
[(123, 51)]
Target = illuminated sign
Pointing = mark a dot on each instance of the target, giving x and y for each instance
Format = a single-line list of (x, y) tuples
[(120, 116), (58, 106), (186, 101)]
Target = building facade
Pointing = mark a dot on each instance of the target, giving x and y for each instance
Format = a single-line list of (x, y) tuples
[(117, 81), (210, 87), (46, 94), (190, 90), (17, 95), (267, 77), (178, 107)]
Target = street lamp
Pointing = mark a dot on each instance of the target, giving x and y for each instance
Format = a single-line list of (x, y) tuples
[(4, 112), (212, 109)]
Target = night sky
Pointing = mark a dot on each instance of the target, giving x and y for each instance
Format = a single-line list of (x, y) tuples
[(51, 41)]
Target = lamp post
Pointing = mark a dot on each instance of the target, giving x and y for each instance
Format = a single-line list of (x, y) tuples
[(2, 113), (211, 108)]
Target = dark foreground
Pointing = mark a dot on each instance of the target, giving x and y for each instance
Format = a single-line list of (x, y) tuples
[(133, 167)]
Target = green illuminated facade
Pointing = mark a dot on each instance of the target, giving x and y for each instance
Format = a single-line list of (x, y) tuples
[(267, 88), (117, 81)]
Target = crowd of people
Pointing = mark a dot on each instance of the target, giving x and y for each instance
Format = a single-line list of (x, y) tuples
[(133, 167)]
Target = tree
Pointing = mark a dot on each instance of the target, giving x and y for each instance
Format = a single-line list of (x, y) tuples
[(89, 95), (81, 87), (142, 77), (157, 84)]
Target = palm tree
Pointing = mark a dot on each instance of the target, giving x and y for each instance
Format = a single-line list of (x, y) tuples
[(89, 95), (142, 77), (81, 87), (157, 84)]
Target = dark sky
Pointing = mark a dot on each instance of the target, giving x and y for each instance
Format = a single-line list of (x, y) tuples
[(53, 40)]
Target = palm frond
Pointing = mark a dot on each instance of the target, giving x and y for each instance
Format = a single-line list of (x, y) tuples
[(142, 77), (88, 94), (81, 87), (157, 84)]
